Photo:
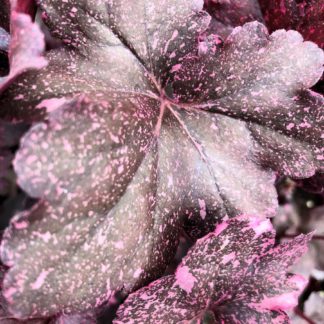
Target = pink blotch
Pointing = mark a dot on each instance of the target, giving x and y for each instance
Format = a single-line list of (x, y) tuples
[(229, 257), (184, 279), (8, 293), (20, 225), (299, 281), (51, 104), (220, 228), (202, 205), (40, 280), (260, 226), (119, 245), (137, 273), (176, 68), (282, 302)]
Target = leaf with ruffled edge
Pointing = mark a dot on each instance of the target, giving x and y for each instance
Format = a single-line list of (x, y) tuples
[(262, 79), (7, 318), (233, 274), (121, 167)]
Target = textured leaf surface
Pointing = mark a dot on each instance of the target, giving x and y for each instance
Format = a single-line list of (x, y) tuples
[(254, 77), (26, 44), (127, 152), (234, 272)]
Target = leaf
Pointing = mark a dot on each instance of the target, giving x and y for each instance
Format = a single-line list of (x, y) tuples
[(268, 93), (233, 272), (227, 14), (121, 164), (24, 54), (4, 15), (304, 16), (313, 184)]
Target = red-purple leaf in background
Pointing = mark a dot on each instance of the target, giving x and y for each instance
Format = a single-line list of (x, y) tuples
[(4, 40), (125, 156), (306, 16), (234, 272), (313, 184), (228, 14), (5, 14)]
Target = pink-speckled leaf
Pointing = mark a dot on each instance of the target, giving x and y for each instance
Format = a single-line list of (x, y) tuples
[(234, 272), (306, 16), (255, 77), (119, 165), (93, 163), (26, 44), (122, 50), (228, 14), (5, 316)]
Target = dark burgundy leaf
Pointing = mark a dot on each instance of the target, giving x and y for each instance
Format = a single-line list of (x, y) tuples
[(4, 14), (234, 272), (228, 14), (120, 165), (306, 16), (313, 184)]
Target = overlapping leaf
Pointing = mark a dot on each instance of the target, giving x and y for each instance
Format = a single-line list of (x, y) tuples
[(233, 275), (5, 14), (134, 145)]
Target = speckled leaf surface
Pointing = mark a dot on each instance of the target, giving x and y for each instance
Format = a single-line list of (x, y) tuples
[(306, 16), (234, 272), (125, 155), (4, 41), (254, 76), (228, 14), (26, 44)]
